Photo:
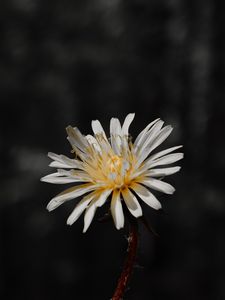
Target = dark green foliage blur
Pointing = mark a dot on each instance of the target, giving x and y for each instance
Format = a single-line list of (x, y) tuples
[(68, 62)]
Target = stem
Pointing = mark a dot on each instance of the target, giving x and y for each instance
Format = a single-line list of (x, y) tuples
[(129, 262)]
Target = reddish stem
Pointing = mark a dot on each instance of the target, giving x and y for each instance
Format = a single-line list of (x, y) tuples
[(128, 264)]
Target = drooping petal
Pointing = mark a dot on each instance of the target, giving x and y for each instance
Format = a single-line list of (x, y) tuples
[(158, 185), (132, 203), (117, 210), (146, 195), (102, 197), (69, 194), (80, 207), (162, 172), (76, 139), (88, 216), (98, 200), (128, 120)]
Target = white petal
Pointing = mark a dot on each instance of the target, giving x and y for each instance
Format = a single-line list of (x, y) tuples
[(74, 163), (165, 160), (164, 133), (141, 135), (116, 144), (69, 194), (61, 161), (125, 167), (153, 141), (60, 179), (56, 164), (101, 137), (116, 135), (102, 198), (164, 152), (117, 210), (77, 174), (96, 202), (88, 217), (62, 172), (115, 127), (98, 129), (162, 172), (80, 207), (146, 196), (128, 120), (149, 136), (104, 144), (50, 175), (55, 156), (92, 141), (132, 203), (64, 176), (159, 185), (76, 139)]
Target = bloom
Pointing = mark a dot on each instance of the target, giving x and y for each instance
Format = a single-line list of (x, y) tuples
[(115, 167)]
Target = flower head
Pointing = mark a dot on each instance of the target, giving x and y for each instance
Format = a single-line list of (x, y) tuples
[(113, 168)]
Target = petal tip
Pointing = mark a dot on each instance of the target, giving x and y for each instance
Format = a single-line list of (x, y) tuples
[(52, 205), (69, 223), (132, 115), (171, 191), (50, 154), (118, 227), (158, 207), (84, 230), (49, 207), (68, 128)]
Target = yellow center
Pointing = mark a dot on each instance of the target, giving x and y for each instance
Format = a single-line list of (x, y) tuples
[(108, 169), (115, 163)]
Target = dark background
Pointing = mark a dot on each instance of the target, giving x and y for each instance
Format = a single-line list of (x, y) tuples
[(68, 62)]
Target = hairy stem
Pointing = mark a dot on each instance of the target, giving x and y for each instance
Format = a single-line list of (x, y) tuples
[(129, 262)]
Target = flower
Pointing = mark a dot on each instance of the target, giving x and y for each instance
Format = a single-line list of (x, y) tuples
[(115, 167)]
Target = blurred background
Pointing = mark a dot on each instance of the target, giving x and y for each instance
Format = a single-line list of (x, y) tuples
[(68, 62)]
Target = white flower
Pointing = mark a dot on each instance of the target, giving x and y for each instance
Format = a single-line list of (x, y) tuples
[(115, 168)]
